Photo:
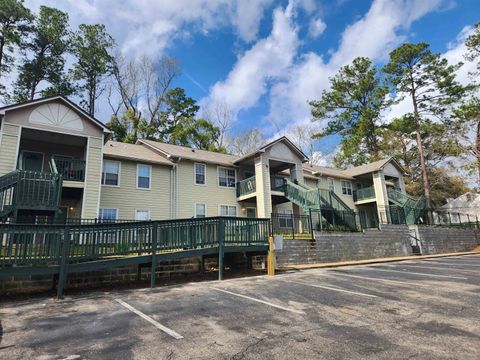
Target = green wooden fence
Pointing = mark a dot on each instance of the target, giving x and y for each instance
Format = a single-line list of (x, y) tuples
[(40, 249)]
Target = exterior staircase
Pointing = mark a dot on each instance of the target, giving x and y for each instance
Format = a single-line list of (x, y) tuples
[(29, 190), (332, 209), (411, 208)]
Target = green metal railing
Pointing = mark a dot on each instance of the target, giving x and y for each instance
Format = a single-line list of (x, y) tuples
[(364, 194), (22, 244), (247, 186), (412, 206), (70, 169)]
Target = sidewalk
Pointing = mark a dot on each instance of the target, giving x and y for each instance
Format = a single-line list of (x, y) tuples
[(374, 261)]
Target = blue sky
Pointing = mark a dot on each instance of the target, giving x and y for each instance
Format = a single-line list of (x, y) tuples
[(265, 59)]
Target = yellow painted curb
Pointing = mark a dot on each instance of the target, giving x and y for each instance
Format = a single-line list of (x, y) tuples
[(373, 261)]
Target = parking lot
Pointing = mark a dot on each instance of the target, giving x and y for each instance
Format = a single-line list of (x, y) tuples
[(422, 309)]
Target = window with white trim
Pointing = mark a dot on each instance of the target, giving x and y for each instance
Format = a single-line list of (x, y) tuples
[(110, 172), (228, 210), (200, 210), (346, 187), (226, 177), (331, 184), (106, 215), (142, 215), (200, 174), (144, 173), (285, 218)]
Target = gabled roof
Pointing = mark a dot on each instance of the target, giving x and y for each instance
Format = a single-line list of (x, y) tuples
[(326, 171), (134, 152), (63, 99), (175, 153), (283, 139), (373, 166)]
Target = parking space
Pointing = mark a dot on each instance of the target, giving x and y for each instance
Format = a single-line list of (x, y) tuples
[(426, 309)]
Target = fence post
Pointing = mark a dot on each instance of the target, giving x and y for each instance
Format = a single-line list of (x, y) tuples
[(153, 272), (476, 216), (271, 257), (221, 238), (62, 277)]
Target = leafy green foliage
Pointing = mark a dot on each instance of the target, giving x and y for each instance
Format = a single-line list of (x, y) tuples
[(92, 46), (353, 107), (45, 59), (15, 25)]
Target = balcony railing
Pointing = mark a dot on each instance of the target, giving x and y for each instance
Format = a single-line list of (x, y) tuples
[(247, 186), (70, 169), (364, 194), (277, 183)]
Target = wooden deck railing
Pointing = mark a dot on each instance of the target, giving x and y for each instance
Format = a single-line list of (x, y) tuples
[(22, 244)]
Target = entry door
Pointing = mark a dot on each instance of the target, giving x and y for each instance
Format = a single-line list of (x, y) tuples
[(251, 212), (32, 161)]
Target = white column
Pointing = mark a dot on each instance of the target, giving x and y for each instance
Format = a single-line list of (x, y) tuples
[(381, 196), (263, 191)]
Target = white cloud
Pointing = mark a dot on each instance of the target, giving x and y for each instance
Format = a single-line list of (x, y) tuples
[(265, 61), (374, 35), (150, 26), (316, 27)]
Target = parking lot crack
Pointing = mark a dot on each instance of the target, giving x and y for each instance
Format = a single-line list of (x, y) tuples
[(241, 354)]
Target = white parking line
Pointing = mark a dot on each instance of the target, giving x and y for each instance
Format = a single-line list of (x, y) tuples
[(331, 288), (384, 280), (476, 264), (260, 301), (437, 268), (150, 320), (417, 273)]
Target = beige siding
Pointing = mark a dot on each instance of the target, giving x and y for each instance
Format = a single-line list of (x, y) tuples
[(210, 194), (127, 198), (92, 178), (8, 147)]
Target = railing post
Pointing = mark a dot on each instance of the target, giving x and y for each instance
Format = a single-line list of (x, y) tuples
[(153, 272), (65, 245), (221, 240), (271, 257)]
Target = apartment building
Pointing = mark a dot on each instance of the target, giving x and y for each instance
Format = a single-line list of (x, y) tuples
[(56, 159)]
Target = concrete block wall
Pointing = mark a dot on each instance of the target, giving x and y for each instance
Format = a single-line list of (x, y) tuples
[(390, 241), (438, 240)]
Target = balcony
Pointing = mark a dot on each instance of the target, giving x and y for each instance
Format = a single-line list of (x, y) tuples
[(364, 194), (70, 169), (249, 186)]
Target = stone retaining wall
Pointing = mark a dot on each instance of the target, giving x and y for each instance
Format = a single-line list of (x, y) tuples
[(438, 240), (391, 241), (173, 269)]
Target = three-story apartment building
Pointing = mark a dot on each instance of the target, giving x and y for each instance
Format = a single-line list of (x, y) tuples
[(57, 160)]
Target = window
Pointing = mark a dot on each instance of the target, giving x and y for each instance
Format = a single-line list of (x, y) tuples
[(200, 210), (200, 172), (106, 215), (331, 184), (142, 215), (143, 176), (226, 177), (285, 218), (228, 210), (346, 187), (110, 172)]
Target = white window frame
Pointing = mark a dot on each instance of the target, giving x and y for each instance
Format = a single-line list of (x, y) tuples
[(100, 212), (331, 181), (228, 206), (349, 187), (149, 178), (195, 173), (142, 210), (218, 177), (204, 207), (119, 172)]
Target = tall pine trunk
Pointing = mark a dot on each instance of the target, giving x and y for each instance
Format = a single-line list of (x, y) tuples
[(423, 167)]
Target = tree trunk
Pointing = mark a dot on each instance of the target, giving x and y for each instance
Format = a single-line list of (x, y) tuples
[(2, 44), (477, 150), (423, 167)]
